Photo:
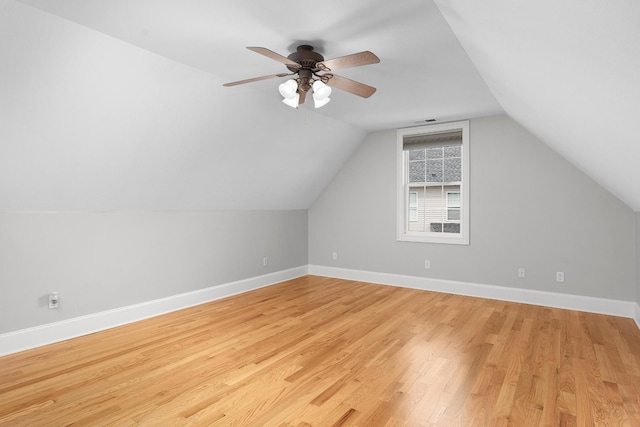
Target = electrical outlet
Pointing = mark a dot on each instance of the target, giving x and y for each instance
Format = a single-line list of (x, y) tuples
[(335, 256), (427, 264), (560, 276), (265, 261), (53, 300), (521, 273)]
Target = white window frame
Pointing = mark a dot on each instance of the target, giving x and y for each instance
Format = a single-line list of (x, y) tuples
[(402, 222)]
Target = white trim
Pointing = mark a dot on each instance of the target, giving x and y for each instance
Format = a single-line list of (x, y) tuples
[(37, 336), (527, 296)]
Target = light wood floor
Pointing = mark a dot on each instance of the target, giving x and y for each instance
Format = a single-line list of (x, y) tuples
[(326, 352)]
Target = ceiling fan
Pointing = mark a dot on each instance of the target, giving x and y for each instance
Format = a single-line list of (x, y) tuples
[(313, 72)]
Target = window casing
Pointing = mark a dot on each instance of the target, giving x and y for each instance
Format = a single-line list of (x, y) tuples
[(433, 182)]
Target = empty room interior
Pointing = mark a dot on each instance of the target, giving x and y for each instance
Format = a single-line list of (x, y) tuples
[(362, 213)]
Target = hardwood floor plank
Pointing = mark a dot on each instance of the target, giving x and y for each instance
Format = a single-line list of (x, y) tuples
[(316, 351)]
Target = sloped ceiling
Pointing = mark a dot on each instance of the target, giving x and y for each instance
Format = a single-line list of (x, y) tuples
[(119, 105), (569, 72), (110, 105)]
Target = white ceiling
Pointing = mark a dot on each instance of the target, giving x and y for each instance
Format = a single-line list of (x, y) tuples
[(119, 105)]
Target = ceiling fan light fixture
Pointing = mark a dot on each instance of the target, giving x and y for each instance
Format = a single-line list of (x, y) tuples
[(289, 89), (320, 102), (293, 101), (320, 90), (321, 94)]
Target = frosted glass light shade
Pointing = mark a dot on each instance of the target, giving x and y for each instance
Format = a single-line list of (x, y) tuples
[(293, 101), (320, 90), (289, 89), (320, 102), (321, 94)]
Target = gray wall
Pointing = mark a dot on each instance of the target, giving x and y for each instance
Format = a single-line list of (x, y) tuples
[(101, 261), (529, 208)]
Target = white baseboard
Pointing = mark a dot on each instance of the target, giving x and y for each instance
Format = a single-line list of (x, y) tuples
[(527, 296), (13, 342)]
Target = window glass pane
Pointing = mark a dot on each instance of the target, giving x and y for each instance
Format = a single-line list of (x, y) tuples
[(453, 214), (453, 151), (416, 208), (434, 153), (451, 228), (413, 199), (453, 199), (417, 171), (452, 170), (413, 206), (434, 171), (416, 154)]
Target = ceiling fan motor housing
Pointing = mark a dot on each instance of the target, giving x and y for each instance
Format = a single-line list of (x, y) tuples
[(307, 58)]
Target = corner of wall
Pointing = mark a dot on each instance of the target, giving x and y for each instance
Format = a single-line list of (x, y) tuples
[(637, 249)]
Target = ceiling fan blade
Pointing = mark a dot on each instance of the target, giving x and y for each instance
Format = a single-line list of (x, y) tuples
[(354, 60), (256, 79), (349, 85), (271, 54)]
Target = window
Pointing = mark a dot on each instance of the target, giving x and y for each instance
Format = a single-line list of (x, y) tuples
[(453, 206), (433, 182), (413, 206)]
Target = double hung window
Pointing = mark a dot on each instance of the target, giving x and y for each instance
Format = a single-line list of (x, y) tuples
[(433, 181)]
